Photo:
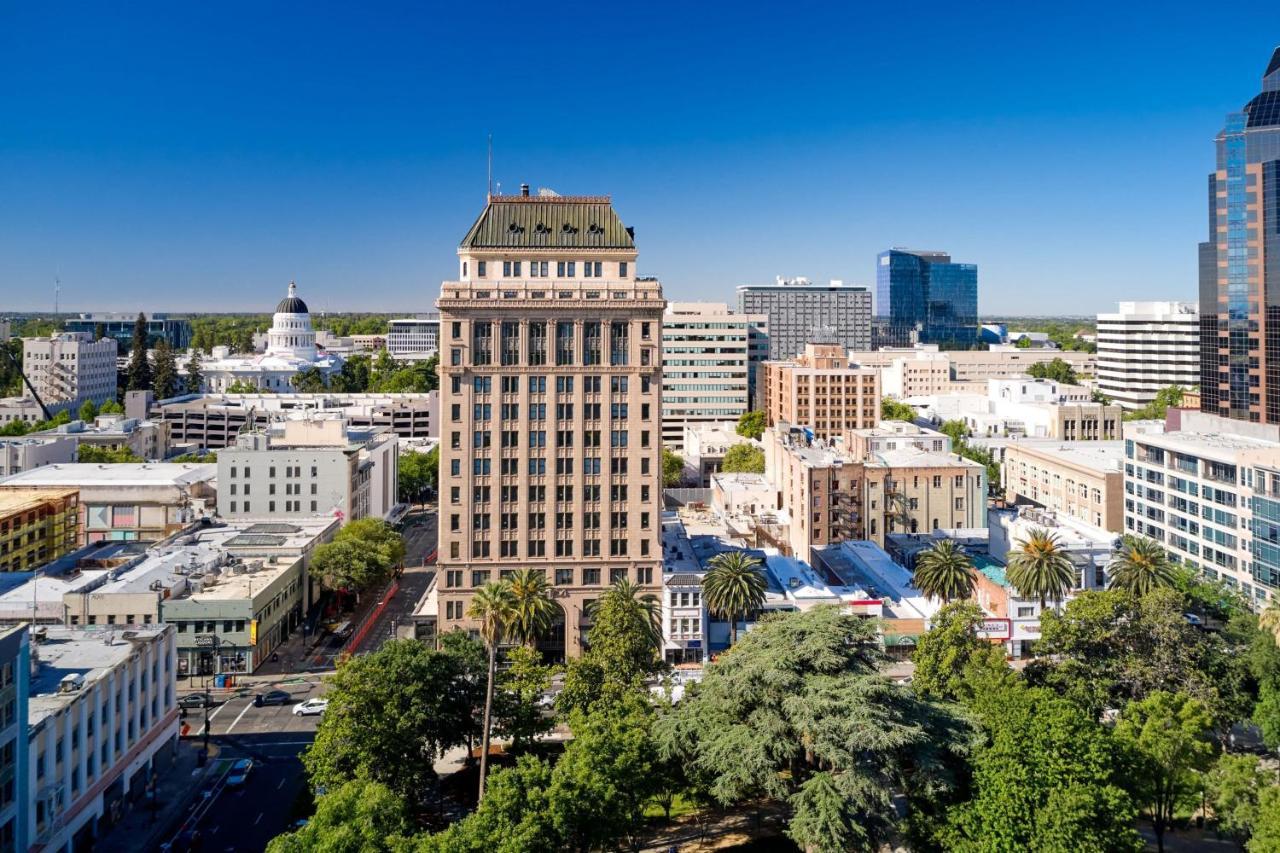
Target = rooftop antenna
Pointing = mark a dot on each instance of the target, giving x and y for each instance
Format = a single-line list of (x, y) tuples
[(491, 164), (57, 293)]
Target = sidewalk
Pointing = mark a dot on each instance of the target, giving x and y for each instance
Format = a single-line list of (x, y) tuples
[(176, 788)]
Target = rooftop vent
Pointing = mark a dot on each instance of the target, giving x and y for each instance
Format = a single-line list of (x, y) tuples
[(71, 683)]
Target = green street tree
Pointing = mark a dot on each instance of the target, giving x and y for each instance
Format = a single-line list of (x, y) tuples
[(944, 571), (743, 459), (195, 375), (517, 714), (349, 565), (1269, 618), (472, 662), (165, 372), (376, 534), (751, 425), (1057, 370), (1167, 738), (1044, 779), (953, 663), (958, 431), (111, 407), (1266, 830), (88, 411), (1141, 565), (413, 476), (733, 588), (1234, 785), (358, 817), (514, 817), (672, 468), (491, 607), (92, 453), (800, 695), (309, 380), (391, 713), (532, 610), (1038, 567), (138, 377), (623, 647), (892, 410)]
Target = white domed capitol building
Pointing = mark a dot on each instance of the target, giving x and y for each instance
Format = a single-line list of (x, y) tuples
[(291, 348)]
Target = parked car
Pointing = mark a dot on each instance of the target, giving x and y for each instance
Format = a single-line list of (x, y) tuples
[(310, 707), (194, 700), (239, 773), (273, 697)]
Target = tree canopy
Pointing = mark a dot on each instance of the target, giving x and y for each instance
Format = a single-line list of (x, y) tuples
[(743, 459), (672, 468), (751, 425), (1057, 370), (892, 410), (359, 816)]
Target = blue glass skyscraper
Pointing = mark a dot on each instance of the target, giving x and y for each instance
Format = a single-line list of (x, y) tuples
[(922, 297)]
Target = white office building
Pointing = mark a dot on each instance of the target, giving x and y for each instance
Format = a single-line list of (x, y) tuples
[(413, 338), (68, 369), (706, 365), (1147, 346)]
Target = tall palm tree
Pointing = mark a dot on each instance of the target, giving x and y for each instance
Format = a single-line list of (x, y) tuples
[(733, 587), (1039, 568), (492, 607), (945, 571), (1140, 566), (533, 611), (1269, 619)]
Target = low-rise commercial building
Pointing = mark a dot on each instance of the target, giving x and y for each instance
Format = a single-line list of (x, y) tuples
[(102, 719), (925, 370), (128, 501), (1027, 408), (1081, 479), (822, 390), (36, 525), (146, 439), (704, 447), (212, 421), (307, 468), (24, 452)]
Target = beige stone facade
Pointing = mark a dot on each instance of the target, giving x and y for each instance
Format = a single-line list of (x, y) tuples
[(550, 406), (925, 371), (822, 390), (1082, 479)]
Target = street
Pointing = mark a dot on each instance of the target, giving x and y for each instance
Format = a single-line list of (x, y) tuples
[(419, 532)]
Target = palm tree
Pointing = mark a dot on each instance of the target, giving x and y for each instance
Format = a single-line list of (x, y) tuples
[(1039, 567), (945, 571), (1140, 566), (1269, 619), (492, 607), (532, 608), (734, 587)]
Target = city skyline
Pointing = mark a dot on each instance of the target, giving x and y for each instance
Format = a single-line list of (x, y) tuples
[(182, 153)]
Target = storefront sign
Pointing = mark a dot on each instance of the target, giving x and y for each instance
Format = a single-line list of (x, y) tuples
[(206, 640), (994, 629)]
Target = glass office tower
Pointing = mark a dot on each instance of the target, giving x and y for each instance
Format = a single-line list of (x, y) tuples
[(1240, 264), (922, 297)]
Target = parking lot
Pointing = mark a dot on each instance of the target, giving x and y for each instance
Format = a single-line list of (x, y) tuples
[(238, 716)]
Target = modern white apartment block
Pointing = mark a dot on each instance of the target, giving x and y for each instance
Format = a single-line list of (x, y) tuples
[(799, 312), (69, 368), (1208, 490), (706, 365), (1147, 346), (307, 468), (550, 406), (102, 715), (24, 452), (413, 338)]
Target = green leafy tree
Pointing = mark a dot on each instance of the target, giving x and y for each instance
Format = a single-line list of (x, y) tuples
[(1266, 830), (957, 430), (514, 817), (952, 662), (751, 425), (431, 467), (99, 331), (1266, 713), (532, 610), (800, 696), (111, 407), (391, 713), (88, 411), (517, 714), (623, 647), (203, 458), (824, 820), (139, 373), (349, 565), (892, 410), (1140, 565), (472, 662), (1056, 370), (1024, 342), (491, 606), (309, 380), (944, 571), (358, 817), (417, 472), (194, 381), (93, 453), (1234, 785), (1167, 737), (1038, 567), (1045, 779), (377, 535), (1269, 618), (241, 386), (734, 588), (1166, 398), (164, 381), (15, 427), (672, 468), (743, 459)]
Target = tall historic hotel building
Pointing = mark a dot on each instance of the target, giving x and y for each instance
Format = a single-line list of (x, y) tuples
[(1240, 264), (550, 405)]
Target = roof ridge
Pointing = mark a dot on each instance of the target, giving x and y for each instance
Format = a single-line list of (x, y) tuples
[(550, 199)]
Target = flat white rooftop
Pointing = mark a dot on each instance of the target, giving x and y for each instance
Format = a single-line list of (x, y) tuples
[(81, 475), (1104, 457), (88, 652)]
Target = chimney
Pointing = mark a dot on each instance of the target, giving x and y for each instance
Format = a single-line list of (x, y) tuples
[(524, 190)]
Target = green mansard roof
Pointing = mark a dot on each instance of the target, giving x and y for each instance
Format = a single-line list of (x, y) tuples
[(548, 222)]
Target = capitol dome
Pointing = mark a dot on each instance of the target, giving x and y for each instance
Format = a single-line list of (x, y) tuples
[(291, 304)]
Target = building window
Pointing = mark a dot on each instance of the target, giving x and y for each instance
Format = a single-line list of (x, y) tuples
[(481, 268)]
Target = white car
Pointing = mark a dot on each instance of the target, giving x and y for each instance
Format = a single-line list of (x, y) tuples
[(310, 707)]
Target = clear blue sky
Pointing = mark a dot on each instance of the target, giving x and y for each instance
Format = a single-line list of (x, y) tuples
[(197, 156)]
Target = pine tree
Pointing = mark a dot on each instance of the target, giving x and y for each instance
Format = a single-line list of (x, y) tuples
[(195, 377), (139, 367), (165, 382), (99, 331)]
